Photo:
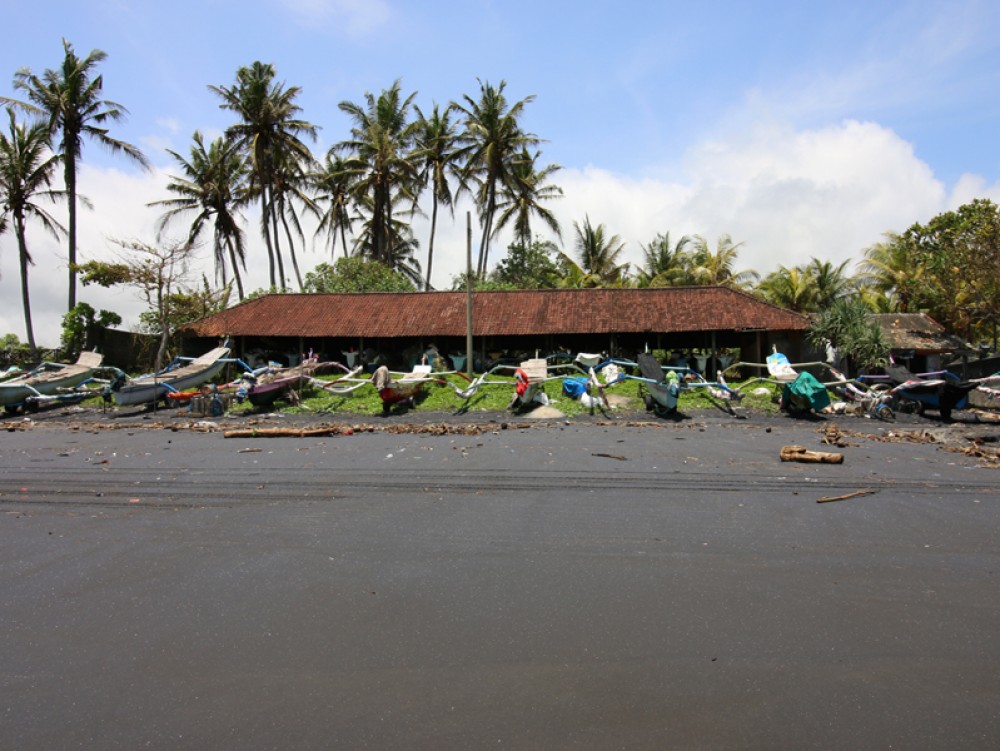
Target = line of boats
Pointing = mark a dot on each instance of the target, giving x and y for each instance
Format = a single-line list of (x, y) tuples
[(584, 377), (61, 383)]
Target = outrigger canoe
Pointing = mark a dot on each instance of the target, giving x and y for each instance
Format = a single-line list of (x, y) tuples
[(50, 379), (181, 375), (265, 388)]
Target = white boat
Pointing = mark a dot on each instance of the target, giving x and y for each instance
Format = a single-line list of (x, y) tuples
[(48, 379), (181, 375)]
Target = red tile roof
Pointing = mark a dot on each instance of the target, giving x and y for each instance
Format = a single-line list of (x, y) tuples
[(522, 312)]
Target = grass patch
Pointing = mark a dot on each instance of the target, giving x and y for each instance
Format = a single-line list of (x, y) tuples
[(492, 398)]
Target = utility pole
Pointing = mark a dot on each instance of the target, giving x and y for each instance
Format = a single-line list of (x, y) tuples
[(468, 293)]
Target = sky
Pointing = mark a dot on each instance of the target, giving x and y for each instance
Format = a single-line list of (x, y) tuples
[(802, 130)]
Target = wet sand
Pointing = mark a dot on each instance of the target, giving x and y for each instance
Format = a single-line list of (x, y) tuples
[(558, 584)]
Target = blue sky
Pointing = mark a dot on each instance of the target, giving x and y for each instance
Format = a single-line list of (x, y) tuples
[(801, 129)]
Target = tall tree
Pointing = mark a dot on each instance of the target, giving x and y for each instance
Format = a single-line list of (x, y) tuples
[(380, 163), (26, 170), (790, 288), (892, 268), (527, 266), (213, 187), (599, 253), (332, 185), (523, 195), (664, 264), (436, 156), (69, 99), (157, 273), (830, 282), (716, 267), (961, 251), (270, 132), (491, 143)]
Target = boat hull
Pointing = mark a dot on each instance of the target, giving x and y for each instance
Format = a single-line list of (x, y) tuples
[(153, 388), (14, 392)]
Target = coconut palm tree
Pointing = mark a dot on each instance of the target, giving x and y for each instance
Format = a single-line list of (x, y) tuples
[(830, 282), (598, 253), (402, 246), (522, 197), (491, 143), (332, 185), (69, 100), (379, 162), (716, 267), (664, 264), (270, 133), (436, 154), (891, 267), (26, 170), (213, 186), (790, 288), (291, 185)]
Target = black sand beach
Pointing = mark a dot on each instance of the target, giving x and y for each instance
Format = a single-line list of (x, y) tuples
[(492, 581)]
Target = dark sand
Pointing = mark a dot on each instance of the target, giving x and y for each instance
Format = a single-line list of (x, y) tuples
[(513, 588)]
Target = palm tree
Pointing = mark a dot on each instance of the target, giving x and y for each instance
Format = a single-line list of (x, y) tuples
[(436, 155), (402, 247), (790, 288), (26, 170), (214, 186), (379, 163), (69, 100), (598, 253), (332, 184), (716, 267), (664, 264), (290, 186), (830, 282), (269, 133), (891, 267), (522, 197), (492, 142)]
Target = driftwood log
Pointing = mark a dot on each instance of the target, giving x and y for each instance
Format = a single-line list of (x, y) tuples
[(802, 454)]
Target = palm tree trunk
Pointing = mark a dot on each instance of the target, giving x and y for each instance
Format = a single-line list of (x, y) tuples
[(343, 239), (236, 268), (291, 250), (484, 245), (265, 227), (70, 175), (22, 247), (430, 245), (277, 245)]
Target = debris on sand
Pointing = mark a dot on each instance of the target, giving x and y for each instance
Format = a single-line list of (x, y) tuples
[(802, 454), (845, 496)]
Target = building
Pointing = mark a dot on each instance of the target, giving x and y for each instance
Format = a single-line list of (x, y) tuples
[(919, 342), (699, 321)]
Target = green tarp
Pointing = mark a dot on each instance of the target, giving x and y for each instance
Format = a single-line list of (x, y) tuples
[(805, 393)]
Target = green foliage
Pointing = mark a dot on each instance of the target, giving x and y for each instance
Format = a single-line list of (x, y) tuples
[(105, 274), (527, 267), (458, 284), (79, 324), (185, 306), (960, 251), (13, 351), (356, 274), (847, 325)]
